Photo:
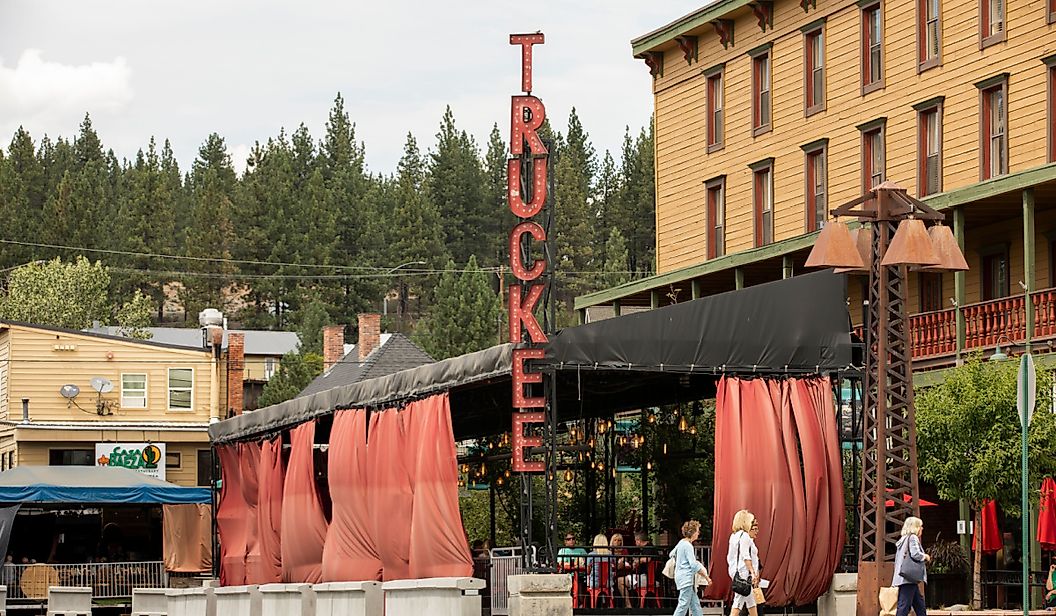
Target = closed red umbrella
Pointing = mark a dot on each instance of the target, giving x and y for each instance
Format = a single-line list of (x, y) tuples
[(1047, 515), (991, 533)]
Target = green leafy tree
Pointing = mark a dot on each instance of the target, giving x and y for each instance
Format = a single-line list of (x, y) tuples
[(57, 293), (465, 315), (969, 441), (135, 316), (296, 371)]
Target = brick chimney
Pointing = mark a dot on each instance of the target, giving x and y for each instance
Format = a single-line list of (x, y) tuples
[(369, 334), (236, 364), (333, 345)]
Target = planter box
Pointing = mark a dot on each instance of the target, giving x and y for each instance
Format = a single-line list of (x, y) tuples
[(945, 589)]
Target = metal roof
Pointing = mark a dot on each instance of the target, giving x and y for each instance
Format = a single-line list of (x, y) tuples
[(258, 342)]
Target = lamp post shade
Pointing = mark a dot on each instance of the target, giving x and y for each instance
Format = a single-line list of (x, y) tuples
[(911, 245), (951, 259), (835, 248), (863, 240)]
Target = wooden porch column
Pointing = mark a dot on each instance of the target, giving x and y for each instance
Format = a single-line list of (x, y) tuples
[(959, 279), (1028, 261), (654, 299), (695, 289), (581, 316), (616, 307), (738, 279), (786, 267)]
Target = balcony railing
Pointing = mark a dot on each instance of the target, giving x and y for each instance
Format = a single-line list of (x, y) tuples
[(934, 334)]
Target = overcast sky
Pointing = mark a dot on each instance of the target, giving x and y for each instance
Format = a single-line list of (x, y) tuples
[(245, 68)]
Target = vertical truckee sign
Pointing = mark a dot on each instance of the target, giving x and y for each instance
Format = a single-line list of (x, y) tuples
[(526, 197)]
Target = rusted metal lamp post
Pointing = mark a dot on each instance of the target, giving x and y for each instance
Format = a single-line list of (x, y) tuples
[(898, 240)]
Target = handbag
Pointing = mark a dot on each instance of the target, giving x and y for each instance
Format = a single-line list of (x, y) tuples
[(757, 593), (741, 586), (912, 571), (888, 600), (669, 568)]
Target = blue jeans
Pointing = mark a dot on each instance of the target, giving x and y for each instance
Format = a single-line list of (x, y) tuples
[(688, 602), (909, 597)]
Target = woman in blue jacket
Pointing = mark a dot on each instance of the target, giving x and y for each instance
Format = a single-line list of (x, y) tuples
[(909, 546), (686, 568)]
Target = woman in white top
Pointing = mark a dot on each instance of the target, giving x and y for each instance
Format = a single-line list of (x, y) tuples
[(742, 558)]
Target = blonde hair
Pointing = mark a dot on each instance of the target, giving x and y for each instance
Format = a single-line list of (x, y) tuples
[(601, 544), (912, 526), (616, 541), (742, 520), (689, 528)]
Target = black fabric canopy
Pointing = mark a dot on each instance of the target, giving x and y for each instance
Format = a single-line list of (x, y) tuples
[(797, 325)]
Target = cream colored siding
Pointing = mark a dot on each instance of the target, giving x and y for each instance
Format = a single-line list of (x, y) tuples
[(39, 370), (5, 363), (683, 165)]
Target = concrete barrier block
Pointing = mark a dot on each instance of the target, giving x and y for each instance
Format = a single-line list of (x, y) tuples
[(433, 596), (348, 599), (842, 597), (238, 600), (540, 595), (3, 600), (195, 601), (149, 602), (286, 599), (69, 601)]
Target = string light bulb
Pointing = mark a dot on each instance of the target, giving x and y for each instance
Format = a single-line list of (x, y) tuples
[(500, 481), (682, 424), (649, 465), (568, 475)]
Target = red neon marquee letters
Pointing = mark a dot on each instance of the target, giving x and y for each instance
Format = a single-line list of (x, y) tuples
[(527, 114)]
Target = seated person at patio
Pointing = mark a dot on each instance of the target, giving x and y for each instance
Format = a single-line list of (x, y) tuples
[(567, 557), (638, 564), (1050, 585), (595, 558)]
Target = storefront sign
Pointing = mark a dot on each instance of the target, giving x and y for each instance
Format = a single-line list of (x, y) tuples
[(528, 153), (147, 458)]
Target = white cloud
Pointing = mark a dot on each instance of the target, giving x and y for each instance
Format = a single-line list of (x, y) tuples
[(36, 86)]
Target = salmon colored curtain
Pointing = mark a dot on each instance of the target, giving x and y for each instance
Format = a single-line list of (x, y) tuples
[(438, 542), (777, 455), (249, 458), (271, 475), (231, 518), (187, 532), (303, 520), (350, 553), (389, 491)]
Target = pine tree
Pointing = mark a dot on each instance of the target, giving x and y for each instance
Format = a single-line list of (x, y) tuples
[(606, 191), (574, 228), (636, 202), (465, 316), (498, 213), (615, 267), (456, 185), (296, 371)]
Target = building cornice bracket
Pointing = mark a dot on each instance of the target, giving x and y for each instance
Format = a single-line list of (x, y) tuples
[(764, 12), (689, 47), (724, 28)]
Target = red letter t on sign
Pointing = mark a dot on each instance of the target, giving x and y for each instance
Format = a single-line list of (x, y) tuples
[(526, 41)]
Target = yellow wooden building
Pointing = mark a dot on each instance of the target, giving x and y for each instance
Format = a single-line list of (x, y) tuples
[(130, 395), (769, 113)]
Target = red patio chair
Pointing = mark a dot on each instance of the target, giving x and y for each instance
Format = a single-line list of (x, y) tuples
[(649, 586), (603, 580)]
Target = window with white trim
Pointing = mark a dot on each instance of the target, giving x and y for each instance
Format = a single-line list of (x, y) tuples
[(133, 391), (181, 389)]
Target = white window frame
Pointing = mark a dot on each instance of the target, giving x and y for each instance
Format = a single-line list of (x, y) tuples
[(145, 390), (169, 389), (271, 366)]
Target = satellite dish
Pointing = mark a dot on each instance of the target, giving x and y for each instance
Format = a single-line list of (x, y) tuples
[(101, 384), (69, 391)]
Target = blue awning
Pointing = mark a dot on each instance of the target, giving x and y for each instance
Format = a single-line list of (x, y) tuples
[(92, 485)]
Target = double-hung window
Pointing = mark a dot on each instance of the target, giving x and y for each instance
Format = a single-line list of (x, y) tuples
[(816, 189), (814, 69), (715, 108), (991, 22), (133, 391), (872, 48), (929, 34), (716, 216), (873, 159), (929, 146), (762, 105), (993, 125), (181, 389), (763, 197)]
